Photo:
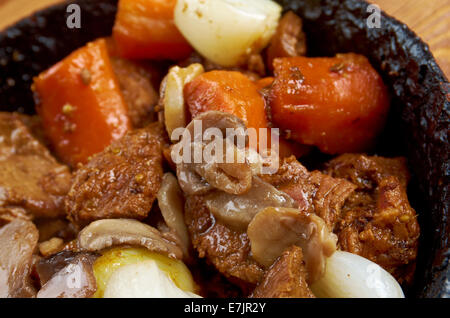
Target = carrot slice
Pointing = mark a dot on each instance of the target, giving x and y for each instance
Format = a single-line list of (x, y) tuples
[(264, 82), (228, 91), (338, 104), (80, 103), (144, 29), (233, 92)]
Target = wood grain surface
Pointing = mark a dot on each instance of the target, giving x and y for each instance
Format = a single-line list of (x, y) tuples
[(430, 19)]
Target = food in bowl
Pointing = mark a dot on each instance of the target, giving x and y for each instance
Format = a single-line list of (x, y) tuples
[(93, 181)]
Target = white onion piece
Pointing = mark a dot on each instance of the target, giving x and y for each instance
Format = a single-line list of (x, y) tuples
[(143, 280), (174, 112), (227, 32), (349, 275)]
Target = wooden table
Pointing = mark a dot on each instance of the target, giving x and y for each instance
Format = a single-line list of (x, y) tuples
[(430, 19)]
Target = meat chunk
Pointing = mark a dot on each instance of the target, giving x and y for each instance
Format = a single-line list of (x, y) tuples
[(120, 182), (367, 171), (286, 278), (227, 249), (137, 89), (30, 177), (314, 191), (34, 125), (289, 39), (377, 220)]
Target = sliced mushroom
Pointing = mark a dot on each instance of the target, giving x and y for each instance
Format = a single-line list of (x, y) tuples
[(237, 211), (200, 177), (67, 275), (231, 177), (105, 233), (174, 106), (219, 120), (190, 181), (171, 204), (273, 230), (18, 242)]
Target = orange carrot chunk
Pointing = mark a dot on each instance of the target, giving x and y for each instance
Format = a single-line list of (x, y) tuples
[(227, 91), (337, 104), (80, 103), (144, 29), (233, 92)]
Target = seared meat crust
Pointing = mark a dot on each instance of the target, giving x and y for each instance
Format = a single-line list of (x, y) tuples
[(227, 249), (30, 177), (377, 220), (286, 278), (120, 182)]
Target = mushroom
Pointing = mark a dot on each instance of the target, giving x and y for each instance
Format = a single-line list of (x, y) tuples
[(18, 242), (105, 233), (201, 176), (273, 230), (237, 211), (171, 204), (67, 275), (172, 95)]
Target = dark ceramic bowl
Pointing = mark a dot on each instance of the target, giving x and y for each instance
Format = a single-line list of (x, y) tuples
[(418, 126)]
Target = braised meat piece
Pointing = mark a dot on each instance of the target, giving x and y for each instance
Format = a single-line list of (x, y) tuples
[(288, 40), (34, 125), (286, 278), (377, 220), (120, 182), (314, 191), (227, 249), (137, 89), (30, 177), (367, 171)]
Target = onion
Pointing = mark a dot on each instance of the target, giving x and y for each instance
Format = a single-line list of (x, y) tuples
[(227, 32), (143, 280), (115, 258), (349, 275), (174, 112)]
